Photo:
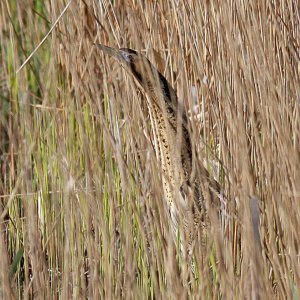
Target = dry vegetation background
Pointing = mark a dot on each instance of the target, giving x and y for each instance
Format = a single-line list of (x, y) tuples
[(81, 197)]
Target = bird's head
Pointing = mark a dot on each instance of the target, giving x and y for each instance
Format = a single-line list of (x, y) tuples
[(153, 82), (135, 63)]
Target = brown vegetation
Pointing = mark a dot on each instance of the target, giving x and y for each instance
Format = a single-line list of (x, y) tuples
[(80, 187)]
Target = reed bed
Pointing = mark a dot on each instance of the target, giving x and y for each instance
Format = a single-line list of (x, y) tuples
[(80, 188)]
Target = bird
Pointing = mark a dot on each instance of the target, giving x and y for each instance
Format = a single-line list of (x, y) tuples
[(187, 185)]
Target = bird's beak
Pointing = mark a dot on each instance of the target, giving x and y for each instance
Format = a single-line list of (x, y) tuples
[(120, 55)]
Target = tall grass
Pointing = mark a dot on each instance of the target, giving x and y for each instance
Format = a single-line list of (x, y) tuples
[(81, 208)]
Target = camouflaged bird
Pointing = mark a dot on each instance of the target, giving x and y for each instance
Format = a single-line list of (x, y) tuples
[(187, 185)]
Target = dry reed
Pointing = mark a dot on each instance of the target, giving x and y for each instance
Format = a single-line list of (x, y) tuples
[(81, 209)]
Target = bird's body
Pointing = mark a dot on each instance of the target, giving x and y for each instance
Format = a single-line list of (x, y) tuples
[(182, 180)]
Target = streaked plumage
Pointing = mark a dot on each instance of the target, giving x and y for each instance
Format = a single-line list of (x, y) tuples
[(187, 185)]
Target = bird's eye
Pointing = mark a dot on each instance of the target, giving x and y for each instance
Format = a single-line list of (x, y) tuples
[(126, 56)]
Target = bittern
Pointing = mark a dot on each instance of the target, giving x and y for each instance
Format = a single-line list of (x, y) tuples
[(186, 186)]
